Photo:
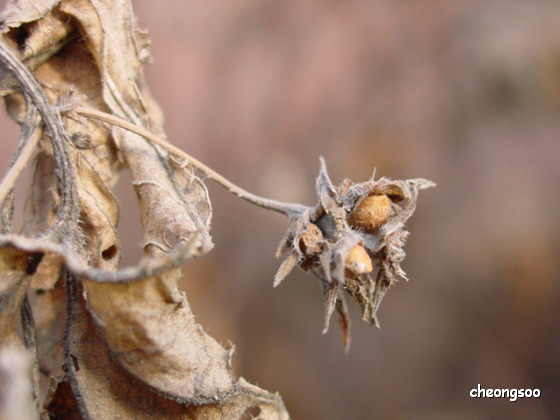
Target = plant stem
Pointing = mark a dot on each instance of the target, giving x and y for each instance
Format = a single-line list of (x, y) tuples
[(68, 213), (291, 210), (27, 150)]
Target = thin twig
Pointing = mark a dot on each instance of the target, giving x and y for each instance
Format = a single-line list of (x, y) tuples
[(77, 265), (19, 164), (292, 210)]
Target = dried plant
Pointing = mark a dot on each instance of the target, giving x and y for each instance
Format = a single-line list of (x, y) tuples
[(351, 228), (122, 342)]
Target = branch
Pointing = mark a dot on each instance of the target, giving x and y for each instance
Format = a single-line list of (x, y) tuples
[(291, 210)]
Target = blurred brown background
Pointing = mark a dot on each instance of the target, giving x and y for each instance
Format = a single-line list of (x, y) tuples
[(465, 93)]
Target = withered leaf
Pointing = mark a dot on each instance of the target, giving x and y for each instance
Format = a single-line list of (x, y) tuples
[(156, 339), (14, 265), (101, 386), (131, 348), (107, 388), (114, 362), (18, 12)]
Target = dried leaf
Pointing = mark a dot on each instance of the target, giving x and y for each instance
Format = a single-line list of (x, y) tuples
[(157, 340), (18, 12), (131, 348), (49, 313), (173, 202), (101, 386), (14, 266), (107, 388)]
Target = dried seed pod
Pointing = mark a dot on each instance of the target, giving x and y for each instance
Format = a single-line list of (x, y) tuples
[(357, 262), (310, 241), (340, 238), (370, 213)]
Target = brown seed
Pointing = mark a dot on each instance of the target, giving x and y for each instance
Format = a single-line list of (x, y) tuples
[(358, 262), (310, 241), (370, 213)]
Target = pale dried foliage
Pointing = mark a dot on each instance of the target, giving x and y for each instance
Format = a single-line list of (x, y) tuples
[(128, 340), (98, 341)]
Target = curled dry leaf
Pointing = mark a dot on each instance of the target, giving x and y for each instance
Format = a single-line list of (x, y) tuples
[(95, 371), (15, 266), (352, 227), (156, 339), (131, 346)]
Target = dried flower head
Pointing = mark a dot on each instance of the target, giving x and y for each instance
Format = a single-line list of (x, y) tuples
[(352, 229)]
